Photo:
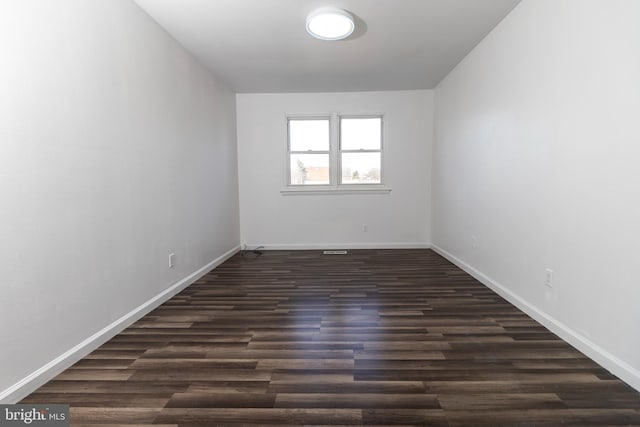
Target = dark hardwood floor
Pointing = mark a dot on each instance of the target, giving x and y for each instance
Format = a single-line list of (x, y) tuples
[(386, 337)]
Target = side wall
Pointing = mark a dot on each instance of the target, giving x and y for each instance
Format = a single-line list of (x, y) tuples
[(275, 220), (536, 167), (116, 149)]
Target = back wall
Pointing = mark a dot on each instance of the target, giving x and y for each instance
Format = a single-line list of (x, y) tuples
[(395, 219)]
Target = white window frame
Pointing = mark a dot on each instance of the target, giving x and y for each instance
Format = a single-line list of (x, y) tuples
[(335, 185)]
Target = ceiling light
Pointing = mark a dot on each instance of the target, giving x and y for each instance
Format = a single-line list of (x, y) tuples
[(330, 23)]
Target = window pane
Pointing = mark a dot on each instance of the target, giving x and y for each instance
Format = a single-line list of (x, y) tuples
[(309, 169), (309, 135), (361, 134), (361, 168)]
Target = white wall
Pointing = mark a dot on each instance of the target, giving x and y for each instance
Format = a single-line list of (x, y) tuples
[(536, 156), (283, 221), (116, 148)]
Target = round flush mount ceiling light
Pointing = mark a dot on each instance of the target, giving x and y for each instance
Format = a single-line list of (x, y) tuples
[(330, 23)]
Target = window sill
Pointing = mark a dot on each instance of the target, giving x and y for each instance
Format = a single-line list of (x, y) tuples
[(306, 191)]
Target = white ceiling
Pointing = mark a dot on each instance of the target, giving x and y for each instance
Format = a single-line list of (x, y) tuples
[(262, 45)]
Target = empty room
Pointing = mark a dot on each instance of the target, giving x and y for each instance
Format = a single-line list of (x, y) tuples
[(319, 212)]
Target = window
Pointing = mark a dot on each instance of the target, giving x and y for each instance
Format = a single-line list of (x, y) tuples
[(335, 153), (309, 151), (360, 150)]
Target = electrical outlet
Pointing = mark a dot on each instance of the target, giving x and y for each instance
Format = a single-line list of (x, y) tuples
[(474, 242), (365, 228), (172, 260), (548, 277)]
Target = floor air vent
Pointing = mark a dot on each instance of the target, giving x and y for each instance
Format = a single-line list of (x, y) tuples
[(334, 252)]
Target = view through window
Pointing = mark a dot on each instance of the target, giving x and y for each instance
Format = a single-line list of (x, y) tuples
[(309, 151), (360, 150)]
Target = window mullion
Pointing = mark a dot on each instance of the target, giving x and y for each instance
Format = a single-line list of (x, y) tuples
[(334, 146)]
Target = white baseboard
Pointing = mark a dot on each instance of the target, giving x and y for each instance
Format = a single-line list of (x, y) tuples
[(36, 379), (320, 246), (616, 366)]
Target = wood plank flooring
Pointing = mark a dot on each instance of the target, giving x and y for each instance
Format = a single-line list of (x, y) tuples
[(375, 337)]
